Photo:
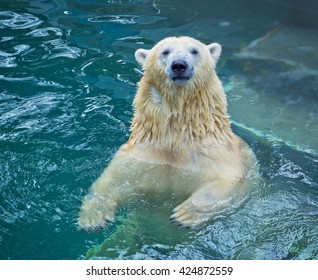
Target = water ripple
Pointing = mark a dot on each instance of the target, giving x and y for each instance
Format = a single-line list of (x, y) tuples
[(8, 62), (43, 42), (126, 19), (43, 32), (16, 50), (6, 38), (122, 19), (60, 48), (29, 107), (293, 171), (18, 21), (8, 59)]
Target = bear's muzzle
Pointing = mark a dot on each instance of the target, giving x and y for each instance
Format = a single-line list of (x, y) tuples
[(180, 72)]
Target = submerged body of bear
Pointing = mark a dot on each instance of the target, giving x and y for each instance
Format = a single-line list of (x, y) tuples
[(181, 141)]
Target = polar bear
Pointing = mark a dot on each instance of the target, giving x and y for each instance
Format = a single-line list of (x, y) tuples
[(181, 140)]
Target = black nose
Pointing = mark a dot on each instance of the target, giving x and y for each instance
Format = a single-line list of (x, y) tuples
[(179, 66)]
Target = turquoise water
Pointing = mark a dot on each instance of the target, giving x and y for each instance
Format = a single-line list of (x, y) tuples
[(68, 78)]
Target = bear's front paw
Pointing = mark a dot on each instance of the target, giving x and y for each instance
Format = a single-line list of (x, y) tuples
[(185, 215), (94, 221), (95, 215)]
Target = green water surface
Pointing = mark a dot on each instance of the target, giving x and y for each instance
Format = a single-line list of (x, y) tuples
[(67, 82)]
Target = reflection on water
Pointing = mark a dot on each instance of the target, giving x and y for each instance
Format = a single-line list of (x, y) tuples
[(68, 78), (289, 76)]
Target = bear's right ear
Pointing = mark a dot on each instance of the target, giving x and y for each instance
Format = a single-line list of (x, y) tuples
[(141, 55)]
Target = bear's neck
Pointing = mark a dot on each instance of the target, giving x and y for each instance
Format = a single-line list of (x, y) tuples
[(169, 117)]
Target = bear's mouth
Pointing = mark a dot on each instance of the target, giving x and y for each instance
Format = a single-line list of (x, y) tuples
[(181, 79)]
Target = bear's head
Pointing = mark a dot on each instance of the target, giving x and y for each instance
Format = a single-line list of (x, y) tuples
[(179, 61)]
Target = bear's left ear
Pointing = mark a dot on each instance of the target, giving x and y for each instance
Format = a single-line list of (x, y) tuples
[(215, 50), (141, 55)]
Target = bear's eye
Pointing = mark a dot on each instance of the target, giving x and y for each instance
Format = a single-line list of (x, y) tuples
[(166, 52), (194, 51)]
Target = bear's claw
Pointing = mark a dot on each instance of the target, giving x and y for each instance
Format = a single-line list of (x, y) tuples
[(96, 213), (181, 218), (185, 215), (93, 223), (177, 223)]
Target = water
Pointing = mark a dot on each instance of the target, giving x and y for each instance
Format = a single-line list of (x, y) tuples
[(68, 78)]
